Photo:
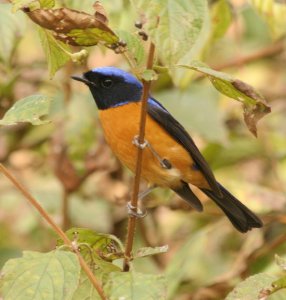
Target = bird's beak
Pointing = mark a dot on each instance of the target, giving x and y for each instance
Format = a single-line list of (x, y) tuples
[(81, 78)]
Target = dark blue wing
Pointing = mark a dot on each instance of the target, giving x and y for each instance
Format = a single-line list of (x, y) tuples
[(160, 114)]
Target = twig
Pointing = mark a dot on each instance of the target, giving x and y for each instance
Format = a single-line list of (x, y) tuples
[(65, 210), (134, 201), (268, 51), (261, 53), (55, 227)]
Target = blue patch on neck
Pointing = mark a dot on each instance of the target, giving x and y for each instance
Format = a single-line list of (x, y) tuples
[(120, 104), (155, 103)]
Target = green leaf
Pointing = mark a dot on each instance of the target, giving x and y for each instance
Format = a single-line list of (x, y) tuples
[(281, 262), (11, 30), (273, 12), (134, 46), (251, 288), (30, 109), (85, 289), (221, 19), (131, 285), (148, 251), (101, 270), (104, 245), (253, 103), (92, 36), (176, 27), (47, 3), (278, 285), (149, 75), (48, 276), (95, 248), (57, 52)]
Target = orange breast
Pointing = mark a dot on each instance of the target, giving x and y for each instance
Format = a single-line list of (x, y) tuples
[(121, 124)]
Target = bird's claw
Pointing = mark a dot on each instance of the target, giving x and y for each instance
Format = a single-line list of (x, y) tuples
[(137, 143), (135, 211)]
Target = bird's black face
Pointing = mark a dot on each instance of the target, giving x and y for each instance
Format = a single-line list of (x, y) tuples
[(111, 87)]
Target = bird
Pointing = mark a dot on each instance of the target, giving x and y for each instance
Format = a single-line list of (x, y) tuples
[(171, 159)]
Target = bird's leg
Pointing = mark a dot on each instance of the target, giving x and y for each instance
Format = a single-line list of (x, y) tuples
[(137, 143), (163, 161), (139, 213)]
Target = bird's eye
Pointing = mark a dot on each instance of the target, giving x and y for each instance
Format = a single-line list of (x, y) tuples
[(106, 83)]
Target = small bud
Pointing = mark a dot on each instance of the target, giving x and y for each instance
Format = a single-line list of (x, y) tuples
[(113, 46), (122, 43), (138, 24), (26, 9), (143, 35)]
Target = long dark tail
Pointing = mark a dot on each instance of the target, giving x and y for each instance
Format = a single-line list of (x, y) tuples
[(187, 194), (242, 218)]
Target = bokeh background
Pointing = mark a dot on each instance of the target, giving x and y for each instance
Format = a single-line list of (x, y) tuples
[(70, 170)]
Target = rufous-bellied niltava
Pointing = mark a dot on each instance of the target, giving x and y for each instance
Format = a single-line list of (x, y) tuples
[(170, 157)]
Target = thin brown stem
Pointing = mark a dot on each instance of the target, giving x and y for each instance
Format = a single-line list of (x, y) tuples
[(134, 200), (259, 54), (65, 210), (55, 227), (266, 52)]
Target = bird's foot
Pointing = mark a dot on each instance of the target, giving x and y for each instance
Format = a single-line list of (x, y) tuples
[(135, 211), (163, 161), (137, 143)]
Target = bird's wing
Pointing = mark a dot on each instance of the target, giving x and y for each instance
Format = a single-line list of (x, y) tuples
[(158, 113)]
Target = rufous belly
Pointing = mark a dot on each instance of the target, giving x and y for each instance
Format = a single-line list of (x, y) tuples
[(121, 125)]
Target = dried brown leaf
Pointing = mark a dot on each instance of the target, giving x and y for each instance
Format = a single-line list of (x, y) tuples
[(100, 12), (253, 114), (254, 105), (63, 22)]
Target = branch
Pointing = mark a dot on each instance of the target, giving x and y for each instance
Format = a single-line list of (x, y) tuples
[(134, 200), (268, 51), (261, 53), (55, 227)]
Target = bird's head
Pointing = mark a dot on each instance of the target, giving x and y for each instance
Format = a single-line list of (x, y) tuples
[(111, 86)]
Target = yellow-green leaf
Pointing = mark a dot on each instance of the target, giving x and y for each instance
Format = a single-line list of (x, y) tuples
[(131, 285), (251, 288), (254, 105), (148, 251), (149, 75), (91, 36), (47, 3), (221, 18), (274, 13), (48, 276), (134, 46), (176, 27), (31, 109), (104, 245), (12, 26), (56, 51)]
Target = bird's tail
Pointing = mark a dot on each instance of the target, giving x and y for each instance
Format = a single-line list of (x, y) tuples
[(242, 218)]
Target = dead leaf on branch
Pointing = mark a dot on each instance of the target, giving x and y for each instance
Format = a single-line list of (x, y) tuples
[(74, 27), (100, 12), (252, 114), (254, 105)]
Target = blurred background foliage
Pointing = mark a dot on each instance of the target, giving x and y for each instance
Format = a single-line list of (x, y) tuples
[(71, 171)]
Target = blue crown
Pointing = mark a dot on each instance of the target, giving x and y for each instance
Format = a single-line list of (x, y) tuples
[(112, 71)]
